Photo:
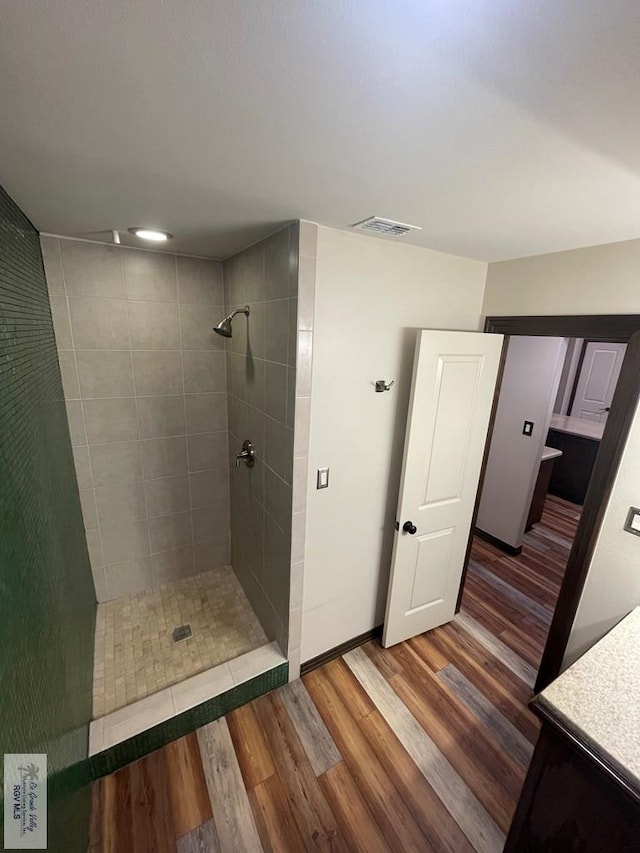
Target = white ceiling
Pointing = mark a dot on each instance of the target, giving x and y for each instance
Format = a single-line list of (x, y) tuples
[(502, 128)]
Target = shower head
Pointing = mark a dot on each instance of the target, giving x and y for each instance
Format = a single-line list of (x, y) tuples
[(224, 326)]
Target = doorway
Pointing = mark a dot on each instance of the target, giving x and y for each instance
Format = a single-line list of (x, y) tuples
[(562, 517), (552, 408)]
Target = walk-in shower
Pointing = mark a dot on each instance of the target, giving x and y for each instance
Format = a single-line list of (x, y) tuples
[(224, 326)]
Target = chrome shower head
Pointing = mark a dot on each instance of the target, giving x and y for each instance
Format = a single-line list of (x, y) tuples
[(224, 326)]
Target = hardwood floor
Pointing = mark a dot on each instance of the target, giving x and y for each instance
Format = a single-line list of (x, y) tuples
[(420, 747)]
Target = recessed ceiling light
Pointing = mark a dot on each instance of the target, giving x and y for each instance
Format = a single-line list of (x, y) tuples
[(151, 234)]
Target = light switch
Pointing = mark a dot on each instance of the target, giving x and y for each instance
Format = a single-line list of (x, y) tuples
[(632, 524), (527, 429), (322, 480)]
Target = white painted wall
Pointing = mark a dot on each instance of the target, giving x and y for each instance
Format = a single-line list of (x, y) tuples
[(528, 391), (596, 280), (568, 375), (371, 296)]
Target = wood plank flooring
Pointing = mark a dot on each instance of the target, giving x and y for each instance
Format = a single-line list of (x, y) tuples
[(420, 747)]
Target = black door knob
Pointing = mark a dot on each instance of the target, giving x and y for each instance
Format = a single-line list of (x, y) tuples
[(409, 527)]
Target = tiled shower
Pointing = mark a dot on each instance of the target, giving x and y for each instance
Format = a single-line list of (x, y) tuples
[(158, 407)]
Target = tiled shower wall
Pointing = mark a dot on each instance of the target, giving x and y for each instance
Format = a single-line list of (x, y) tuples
[(261, 377), (145, 386), (47, 605)]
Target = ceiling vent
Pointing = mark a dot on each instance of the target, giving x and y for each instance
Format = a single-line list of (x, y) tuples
[(385, 226)]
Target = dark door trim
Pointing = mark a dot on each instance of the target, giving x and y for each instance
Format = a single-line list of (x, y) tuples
[(622, 328)]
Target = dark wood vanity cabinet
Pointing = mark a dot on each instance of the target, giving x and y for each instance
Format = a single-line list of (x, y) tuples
[(572, 471), (572, 802)]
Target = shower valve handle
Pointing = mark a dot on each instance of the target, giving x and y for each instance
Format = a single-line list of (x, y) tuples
[(246, 455)]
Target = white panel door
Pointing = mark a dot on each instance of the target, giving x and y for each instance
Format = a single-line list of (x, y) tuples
[(597, 381), (454, 377)]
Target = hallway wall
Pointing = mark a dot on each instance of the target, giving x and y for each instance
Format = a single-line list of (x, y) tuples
[(145, 384)]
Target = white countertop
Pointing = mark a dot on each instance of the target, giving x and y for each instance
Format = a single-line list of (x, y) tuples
[(576, 426), (598, 698), (550, 453)]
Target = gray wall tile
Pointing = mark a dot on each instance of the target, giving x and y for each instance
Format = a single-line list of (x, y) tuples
[(170, 532), (211, 522), (76, 422), (83, 467), (261, 390), (167, 495), (128, 578), (61, 325), (164, 457), (275, 391), (141, 334), (161, 417), (52, 265), (110, 420), (122, 542), (276, 265), (277, 566), (278, 448), (277, 499), (100, 323), (92, 270), (206, 412), (154, 325), (89, 511), (196, 327), (255, 331), (120, 504), (113, 464), (254, 378), (171, 565), (157, 372), (207, 450), (276, 330), (69, 372), (150, 276), (215, 552), (94, 546), (104, 373), (204, 371), (199, 281), (209, 487)]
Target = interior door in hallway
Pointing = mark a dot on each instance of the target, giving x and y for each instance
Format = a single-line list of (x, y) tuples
[(597, 381), (454, 378)]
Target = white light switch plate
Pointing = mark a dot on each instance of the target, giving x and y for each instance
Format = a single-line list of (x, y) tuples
[(632, 524)]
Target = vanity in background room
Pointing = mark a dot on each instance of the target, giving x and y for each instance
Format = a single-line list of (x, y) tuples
[(579, 441)]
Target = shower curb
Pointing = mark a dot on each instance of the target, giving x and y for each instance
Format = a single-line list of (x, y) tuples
[(113, 758)]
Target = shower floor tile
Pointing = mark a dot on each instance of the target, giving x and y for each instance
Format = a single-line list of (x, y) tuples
[(135, 655)]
